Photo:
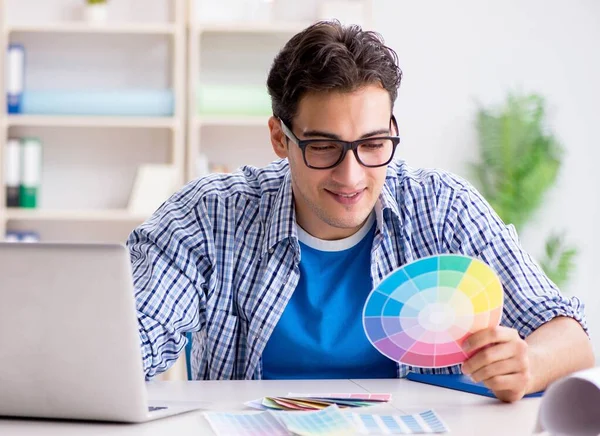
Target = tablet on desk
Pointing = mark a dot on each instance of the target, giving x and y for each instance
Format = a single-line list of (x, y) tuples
[(458, 382)]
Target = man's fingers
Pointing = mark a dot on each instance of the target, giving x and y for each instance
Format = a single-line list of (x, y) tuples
[(509, 387), (495, 353), (489, 336), (503, 367)]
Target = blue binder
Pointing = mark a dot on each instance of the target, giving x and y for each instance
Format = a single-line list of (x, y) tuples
[(458, 382)]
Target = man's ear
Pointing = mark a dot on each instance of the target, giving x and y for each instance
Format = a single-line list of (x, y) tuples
[(278, 139)]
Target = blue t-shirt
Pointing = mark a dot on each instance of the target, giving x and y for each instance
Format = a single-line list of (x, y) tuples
[(320, 333)]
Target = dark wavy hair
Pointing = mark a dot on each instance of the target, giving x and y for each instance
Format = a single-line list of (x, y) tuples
[(328, 56)]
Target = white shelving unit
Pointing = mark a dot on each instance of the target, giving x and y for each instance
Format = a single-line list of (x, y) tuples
[(81, 145), (237, 53), (33, 215), (216, 136), (91, 121), (121, 29)]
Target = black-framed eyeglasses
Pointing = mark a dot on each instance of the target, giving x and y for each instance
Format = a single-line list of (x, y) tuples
[(323, 154)]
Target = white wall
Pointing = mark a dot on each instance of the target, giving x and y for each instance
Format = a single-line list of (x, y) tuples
[(460, 52)]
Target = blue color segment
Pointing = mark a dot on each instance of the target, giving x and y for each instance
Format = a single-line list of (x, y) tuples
[(369, 423), (393, 282), (433, 421), (404, 292), (375, 304), (422, 266), (409, 312), (374, 328), (426, 281), (390, 423), (392, 308), (412, 424)]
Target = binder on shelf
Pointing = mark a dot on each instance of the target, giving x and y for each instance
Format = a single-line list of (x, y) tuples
[(29, 237), (15, 78), (12, 171), (31, 172), (100, 102), (232, 100), (21, 236), (11, 236)]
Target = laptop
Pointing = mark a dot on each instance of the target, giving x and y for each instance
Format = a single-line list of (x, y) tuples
[(69, 341)]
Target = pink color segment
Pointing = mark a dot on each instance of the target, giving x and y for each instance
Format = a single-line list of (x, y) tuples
[(424, 348), (418, 360), (450, 359)]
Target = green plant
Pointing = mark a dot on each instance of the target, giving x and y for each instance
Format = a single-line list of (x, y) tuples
[(520, 161), (96, 2)]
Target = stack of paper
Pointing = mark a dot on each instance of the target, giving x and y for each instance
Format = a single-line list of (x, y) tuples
[(318, 401), (326, 422)]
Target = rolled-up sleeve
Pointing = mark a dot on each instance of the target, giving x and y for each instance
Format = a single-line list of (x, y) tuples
[(530, 298), (167, 256)]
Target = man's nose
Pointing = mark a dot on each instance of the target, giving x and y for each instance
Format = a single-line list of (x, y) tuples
[(349, 171)]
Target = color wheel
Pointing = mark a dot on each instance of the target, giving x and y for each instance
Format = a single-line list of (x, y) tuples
[(420, 314)]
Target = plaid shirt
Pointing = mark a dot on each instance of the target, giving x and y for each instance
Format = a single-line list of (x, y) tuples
[(220, 259)]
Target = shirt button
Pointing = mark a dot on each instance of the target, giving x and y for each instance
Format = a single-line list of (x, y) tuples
[(271, 250)]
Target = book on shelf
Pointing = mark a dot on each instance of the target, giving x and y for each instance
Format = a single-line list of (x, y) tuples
[(15, 77), (31, 172), (12, 171), (21, 236)]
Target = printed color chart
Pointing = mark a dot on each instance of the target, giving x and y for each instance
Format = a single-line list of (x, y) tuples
[(420, 314)]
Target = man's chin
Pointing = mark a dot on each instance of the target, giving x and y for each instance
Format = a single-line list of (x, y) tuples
[(348, 221)]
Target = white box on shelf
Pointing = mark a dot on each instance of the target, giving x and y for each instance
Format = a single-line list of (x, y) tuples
[(96, 13), (154, 183)]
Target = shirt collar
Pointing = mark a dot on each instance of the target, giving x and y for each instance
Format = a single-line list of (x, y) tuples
[(388, 200), (281, 222)]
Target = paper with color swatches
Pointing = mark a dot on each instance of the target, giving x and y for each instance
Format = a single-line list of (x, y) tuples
[(421, 313), (330, 421), (305, 402)]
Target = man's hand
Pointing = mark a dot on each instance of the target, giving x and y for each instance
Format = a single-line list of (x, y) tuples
[(500, 360)]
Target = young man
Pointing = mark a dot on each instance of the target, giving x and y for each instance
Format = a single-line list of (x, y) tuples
[(270, 268)]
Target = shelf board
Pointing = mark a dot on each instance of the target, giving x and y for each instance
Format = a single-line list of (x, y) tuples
[(243, 27), (109, 215), (90, 121), (109, 28), (232, 121)]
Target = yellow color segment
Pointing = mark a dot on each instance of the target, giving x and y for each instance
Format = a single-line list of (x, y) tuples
[(480, 303), (480, 272), (469, 286), (495, 294)]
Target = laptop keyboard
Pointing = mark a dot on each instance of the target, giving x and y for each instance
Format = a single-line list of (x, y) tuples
[(155, 408)]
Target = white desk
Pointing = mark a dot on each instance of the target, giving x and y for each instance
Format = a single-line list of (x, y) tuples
[(465, 414)]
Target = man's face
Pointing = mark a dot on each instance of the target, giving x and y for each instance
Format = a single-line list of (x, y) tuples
[(334, 203)]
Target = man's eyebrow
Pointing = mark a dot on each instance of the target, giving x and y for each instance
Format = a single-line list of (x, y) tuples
[(329, 135)]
